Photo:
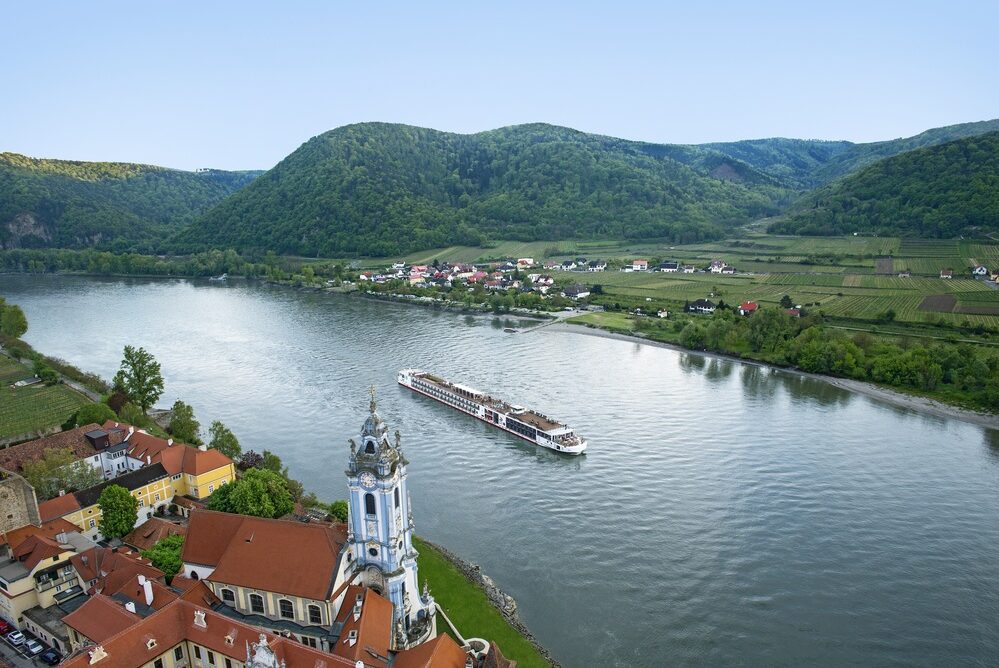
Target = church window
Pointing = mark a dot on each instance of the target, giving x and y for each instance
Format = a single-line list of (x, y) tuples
[(257, 603), (369, 504), (287, 609), (396, 497), (178, 652), (229, 596), (373, 551), (315, 615), (369, 447)]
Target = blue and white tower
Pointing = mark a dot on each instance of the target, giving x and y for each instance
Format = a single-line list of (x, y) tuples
[(380, 530)]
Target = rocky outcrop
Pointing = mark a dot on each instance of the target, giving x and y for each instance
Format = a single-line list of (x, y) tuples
[(23, 225)]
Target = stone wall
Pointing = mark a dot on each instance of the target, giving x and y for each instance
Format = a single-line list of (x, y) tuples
[(18, 504)]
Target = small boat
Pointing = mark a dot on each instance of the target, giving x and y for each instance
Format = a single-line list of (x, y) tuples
[(527, 424), (509, 330), (222, 278)]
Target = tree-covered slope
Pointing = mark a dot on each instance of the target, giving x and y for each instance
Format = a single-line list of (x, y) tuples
[(939, 191), (381, 189), (121, 206)]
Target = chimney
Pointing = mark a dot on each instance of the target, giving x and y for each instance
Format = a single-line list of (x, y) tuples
[(169, 442), (62, 492), (149, 460), (130, 606), (148, 587), (203, 447), (84, 559), (142, 580), (131, 430)]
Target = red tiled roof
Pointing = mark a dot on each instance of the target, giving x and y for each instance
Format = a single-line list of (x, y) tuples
[(175, 623), (373, 625), (112, 567), (236, 545), (35, 548), (151, 532), (57, 507), (441, 652), (100, 618), (176, 457), (14, 457), (50, 529), (132, 590)]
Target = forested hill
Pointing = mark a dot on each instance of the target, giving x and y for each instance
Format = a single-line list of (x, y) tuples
[(940, 191), (383, 189), (120, 206)]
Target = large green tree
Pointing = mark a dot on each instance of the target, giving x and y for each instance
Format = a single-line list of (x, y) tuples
[(12, 321), (259, 492), (222, 439), (60, 469), (183, 425), (95, 413), (165, 555), (119, 511), (139, 377)]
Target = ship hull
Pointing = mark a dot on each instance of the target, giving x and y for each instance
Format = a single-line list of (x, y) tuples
[(568, 450)]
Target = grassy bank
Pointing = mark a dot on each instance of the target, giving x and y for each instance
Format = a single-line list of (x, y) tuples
[(30, 409), (469, 608)]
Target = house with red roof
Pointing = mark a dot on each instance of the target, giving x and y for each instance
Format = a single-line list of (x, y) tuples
[(748, 308)]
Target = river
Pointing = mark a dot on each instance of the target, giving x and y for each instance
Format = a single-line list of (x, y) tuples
[(725, 514)]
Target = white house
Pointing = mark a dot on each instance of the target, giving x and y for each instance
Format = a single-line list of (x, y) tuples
[(980, 270), (716, 266), (639, 265)]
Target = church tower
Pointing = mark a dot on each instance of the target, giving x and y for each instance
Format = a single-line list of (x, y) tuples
[(380, 530)]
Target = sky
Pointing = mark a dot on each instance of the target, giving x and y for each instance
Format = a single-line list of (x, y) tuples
[(239, 85)]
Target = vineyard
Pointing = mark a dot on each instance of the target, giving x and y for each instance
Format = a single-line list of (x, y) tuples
[(32, 408)]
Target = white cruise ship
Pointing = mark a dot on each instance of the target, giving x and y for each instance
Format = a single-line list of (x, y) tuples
[(519, 421)]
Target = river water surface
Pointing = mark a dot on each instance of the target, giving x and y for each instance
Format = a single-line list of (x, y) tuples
[(725, 514)]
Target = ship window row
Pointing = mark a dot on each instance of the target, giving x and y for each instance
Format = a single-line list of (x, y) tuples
[(520, 428)]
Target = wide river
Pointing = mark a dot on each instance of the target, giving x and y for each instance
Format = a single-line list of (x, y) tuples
[(725, 514)]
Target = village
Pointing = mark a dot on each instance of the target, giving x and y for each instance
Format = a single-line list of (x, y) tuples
[(304, 589)]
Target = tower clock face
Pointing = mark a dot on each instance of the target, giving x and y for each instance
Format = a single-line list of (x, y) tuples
[(367, 480)]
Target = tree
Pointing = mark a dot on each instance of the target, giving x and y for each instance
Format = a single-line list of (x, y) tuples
[(95, 413), (119, 511), (259, 492), (183, 426), (12, 321), (785, 302), (139, 377), (339, 510), (250, 460), (60, 469), (165, 555), (222, 439)]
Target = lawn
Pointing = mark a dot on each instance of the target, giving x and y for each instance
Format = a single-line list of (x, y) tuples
[(611, 321), (29, 409), (470, 610)]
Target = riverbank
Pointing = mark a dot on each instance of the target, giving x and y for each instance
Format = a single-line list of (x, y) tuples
[(478, 607), (887, 395)]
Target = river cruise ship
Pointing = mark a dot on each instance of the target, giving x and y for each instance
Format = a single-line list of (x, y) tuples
[(519, 421)]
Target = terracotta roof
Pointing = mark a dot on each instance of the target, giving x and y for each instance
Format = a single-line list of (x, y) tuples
[(112, 566), (14, 457), (200, 594), (131, 589), (495, 658), (187, 502), (34, 548), (50, 529), (57, 507), (237, 545), (441, 652), (224, 636), (372, 626), (182, 583), (176, 457), (100, 618), (151, 532)]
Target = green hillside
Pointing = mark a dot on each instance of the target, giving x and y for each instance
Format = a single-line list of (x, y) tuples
[(385, 189), (937, 192), (118, 206)]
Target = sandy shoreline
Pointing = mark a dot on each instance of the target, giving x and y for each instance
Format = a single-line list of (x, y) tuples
[(886, 395)]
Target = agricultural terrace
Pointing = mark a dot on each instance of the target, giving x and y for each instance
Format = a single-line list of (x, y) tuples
[(29, 409)]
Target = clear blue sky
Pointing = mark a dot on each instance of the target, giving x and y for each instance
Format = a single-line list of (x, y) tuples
[(239, 84)]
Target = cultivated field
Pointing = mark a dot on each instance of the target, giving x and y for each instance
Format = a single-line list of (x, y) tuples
[(27, 409)]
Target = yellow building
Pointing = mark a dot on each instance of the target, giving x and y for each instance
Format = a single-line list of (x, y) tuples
[(38, 573)]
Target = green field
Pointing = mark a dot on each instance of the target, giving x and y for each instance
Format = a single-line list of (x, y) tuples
[(470, 610), (29, 409)]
